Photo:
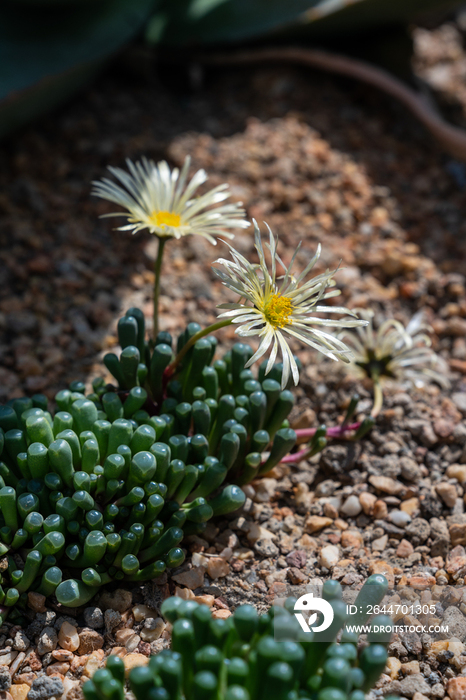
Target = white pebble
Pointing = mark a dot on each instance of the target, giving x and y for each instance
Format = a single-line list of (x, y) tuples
[(351, 507), (399, 518), (329, 556)]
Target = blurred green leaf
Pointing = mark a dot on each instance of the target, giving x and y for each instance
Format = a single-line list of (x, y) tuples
[(49, 50), (197, 22)]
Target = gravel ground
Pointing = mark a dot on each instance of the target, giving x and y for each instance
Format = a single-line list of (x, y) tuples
[(321, 160)]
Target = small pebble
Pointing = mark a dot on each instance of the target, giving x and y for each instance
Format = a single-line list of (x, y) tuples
[(89, 641), (94, 617), (119, 600), (19, 691), (399, 518), (68, 637), (36, 602), (135, 659), (5, 678), (112, 619), (351, 507), (329, 556), (45, 687), (59, 667), (21, 641), (404, 549), (217, 567), (141, 612), (153, 629), (8, 658), (48, 641)]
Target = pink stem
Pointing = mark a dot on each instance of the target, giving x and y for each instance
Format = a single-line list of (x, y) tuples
[(295, 457), (336, 431)]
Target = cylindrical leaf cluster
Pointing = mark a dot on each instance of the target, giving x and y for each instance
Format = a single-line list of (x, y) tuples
[(252, 657), (106, 488)]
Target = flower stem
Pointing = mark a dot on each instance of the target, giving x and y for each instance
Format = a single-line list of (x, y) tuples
[(336, 431), (296, 456), (378, 399), (192, 341), (157, 270)]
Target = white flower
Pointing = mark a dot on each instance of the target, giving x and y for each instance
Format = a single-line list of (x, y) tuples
[(395, 352), (275, 306), (161, 200)]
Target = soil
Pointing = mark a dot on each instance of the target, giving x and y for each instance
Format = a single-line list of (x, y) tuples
[(321, 159)]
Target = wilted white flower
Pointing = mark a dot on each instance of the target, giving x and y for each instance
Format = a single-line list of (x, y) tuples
[(275, 305), (162, 201), (395, 352)]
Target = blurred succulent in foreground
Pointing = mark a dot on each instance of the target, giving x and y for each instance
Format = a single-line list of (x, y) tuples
[(394, 352), (289, 306), (252, 657)]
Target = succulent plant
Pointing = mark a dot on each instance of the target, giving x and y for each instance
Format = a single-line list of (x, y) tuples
[(106, 489), (237, 415), (250, 657)]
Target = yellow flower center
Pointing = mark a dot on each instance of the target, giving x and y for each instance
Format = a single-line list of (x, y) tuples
[(278, 310), (165, 218)]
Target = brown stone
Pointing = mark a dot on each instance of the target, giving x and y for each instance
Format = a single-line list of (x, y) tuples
[(192, 578), (351, 538), (59, 667), (27, 678), (68, 637), (36, 601), (141, 612), (404, 549), (296, 577), (221, 614), (143, 648), (297, 558), (315, 523), (393, 667), (133, 660), (380, 544), (367, 501), (380, 511), (381, 567), (386, 484), (421, 583), (457, 533), (410, 506), (410, 668), (330, 511), (456, 688), (217, 567), (62, 655), (447, 493), (19, 691), (33, 661), (455, 564), (458, 472), (94, 661), (122, 636), (119, 600), (205, 599), (89, 641)]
